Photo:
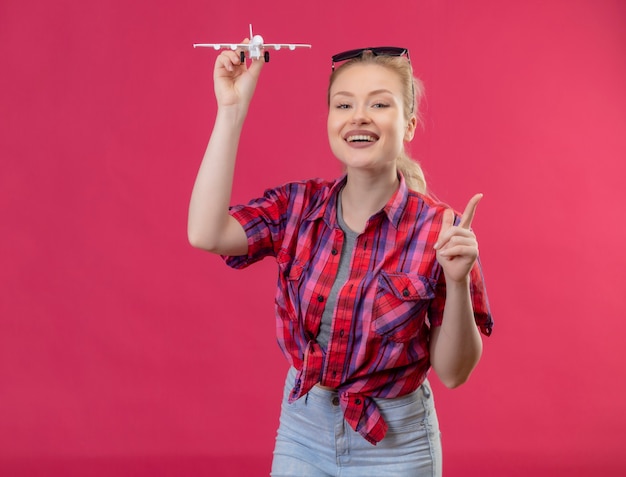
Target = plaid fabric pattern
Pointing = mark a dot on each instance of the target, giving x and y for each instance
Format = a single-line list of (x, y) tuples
[(395, 292)]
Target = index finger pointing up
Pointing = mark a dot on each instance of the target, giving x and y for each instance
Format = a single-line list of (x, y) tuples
[(470, 210)]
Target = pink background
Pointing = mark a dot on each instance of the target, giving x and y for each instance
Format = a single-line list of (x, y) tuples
[(123, 351)]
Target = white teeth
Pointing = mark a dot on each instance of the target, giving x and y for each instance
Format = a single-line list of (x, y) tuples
[(360, 137)]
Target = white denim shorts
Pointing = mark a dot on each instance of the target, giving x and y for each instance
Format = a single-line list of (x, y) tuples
[(313, 439)]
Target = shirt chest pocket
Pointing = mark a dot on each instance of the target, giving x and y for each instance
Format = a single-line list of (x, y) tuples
[(401, 304)]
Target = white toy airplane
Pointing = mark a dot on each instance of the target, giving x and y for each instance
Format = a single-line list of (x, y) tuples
[(254, 48)]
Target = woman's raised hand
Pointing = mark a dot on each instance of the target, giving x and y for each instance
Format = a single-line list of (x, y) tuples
[(234, 81), (457, 247)]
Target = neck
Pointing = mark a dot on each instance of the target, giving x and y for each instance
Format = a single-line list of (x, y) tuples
[(364, 195)]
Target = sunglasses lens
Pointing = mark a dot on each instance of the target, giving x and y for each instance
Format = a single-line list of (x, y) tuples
[(389, 51), (348, 55), (376, 51)]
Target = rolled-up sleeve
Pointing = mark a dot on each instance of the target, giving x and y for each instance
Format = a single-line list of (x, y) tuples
[(263, 221), (480, 302)]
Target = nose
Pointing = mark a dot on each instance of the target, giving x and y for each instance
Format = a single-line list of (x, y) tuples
[(359, 115)]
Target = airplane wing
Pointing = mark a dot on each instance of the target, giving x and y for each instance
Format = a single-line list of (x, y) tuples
[(236, 46), (290, 46), (222, 46)]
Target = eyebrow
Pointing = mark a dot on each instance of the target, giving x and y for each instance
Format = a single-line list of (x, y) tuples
[(371, 93)]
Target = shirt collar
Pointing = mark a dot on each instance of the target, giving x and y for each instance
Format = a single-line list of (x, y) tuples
[(327, 209), (397, 204)]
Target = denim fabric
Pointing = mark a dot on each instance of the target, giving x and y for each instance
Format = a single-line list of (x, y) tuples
[(313, 439)]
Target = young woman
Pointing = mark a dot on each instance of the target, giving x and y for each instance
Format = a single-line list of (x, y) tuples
[(377, 281)]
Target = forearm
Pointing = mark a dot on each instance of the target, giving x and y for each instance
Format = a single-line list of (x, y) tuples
[(208, 218), (456, 346)]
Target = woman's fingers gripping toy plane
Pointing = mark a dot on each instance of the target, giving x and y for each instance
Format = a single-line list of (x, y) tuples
[(255, 47)]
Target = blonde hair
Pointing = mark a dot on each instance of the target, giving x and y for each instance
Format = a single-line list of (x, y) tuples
[(413, 90)]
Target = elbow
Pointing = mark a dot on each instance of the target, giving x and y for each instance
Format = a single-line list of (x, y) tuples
[(218, 240), (452, 382), (453, 375), (197, 240)]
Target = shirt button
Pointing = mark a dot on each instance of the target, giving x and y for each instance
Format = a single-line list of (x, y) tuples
[(405, 292), (320, 298), (341, 333), (357, 401), (335, 401), (334, 251)]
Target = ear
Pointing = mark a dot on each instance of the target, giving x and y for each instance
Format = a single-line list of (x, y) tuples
[(410, 128)]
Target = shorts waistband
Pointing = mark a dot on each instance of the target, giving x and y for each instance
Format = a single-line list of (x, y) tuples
[(329, 395)]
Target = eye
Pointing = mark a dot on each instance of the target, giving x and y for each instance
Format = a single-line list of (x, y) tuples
[(342, 106), (380, 104)]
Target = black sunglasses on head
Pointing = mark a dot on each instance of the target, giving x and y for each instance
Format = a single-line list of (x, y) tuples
[(376, 51)]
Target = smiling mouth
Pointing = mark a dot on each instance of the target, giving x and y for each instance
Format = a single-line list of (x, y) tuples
[(361, 138)]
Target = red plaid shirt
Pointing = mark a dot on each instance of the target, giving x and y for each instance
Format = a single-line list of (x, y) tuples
[(395, 292)]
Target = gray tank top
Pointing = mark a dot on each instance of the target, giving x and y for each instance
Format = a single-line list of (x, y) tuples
[(343, 273)]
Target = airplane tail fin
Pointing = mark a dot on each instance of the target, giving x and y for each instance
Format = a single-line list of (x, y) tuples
[(251, 32)]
